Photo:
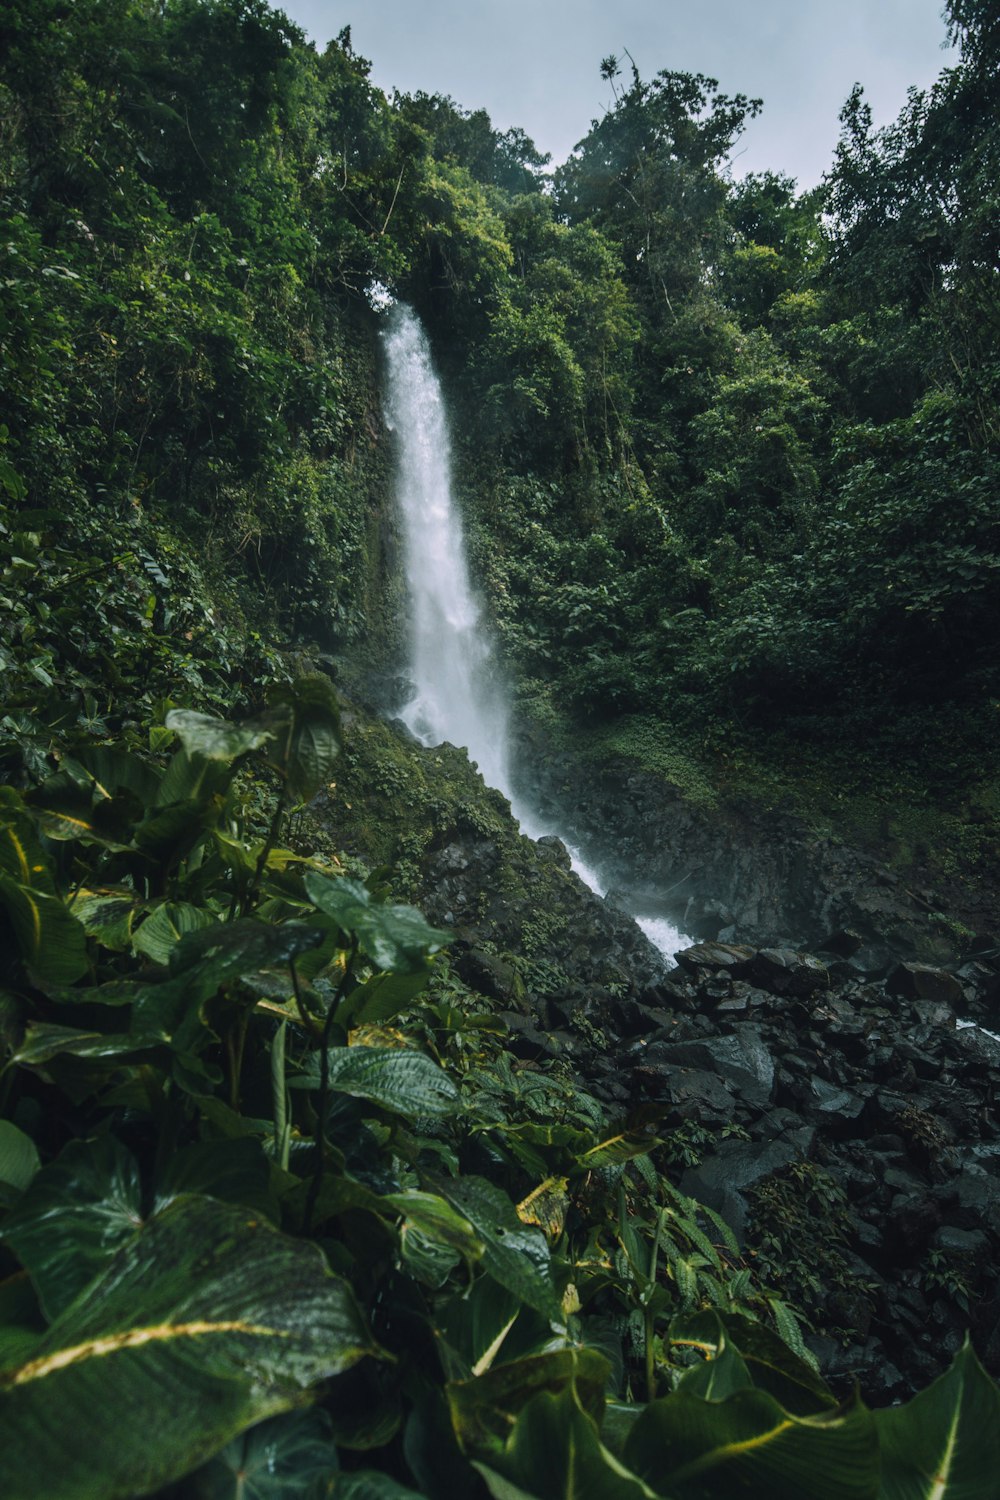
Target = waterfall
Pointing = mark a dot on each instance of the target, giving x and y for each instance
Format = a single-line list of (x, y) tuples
[(457, 692)]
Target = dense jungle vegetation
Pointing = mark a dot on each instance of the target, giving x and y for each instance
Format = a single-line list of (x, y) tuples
[(277, 1216)]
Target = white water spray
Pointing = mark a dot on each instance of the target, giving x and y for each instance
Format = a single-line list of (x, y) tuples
[(457, 692)]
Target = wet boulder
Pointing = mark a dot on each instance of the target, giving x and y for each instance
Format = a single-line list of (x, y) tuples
[(490, 974), (741, 1060), (721, 1180), (785, 971), (691, 1093), (707, 958), (923, 982)]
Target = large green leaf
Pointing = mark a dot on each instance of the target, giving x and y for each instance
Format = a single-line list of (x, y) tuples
[(19, 1159), (515, 1254), (380, 998), (369, 1484), (945, 1443), (617, 1148), (65, 824), (217, 739), (21, 1321), (107, 916), (311, 737), (554, 1452), (207, 1322), (204, 960), (76, 1214), (235, 1170), (52, 942), (718, 1376), (315, 747), (229, 950), (476, 1327), (107, 769), (435, 1218), (396, 1078), (693, 1449), (395, 937), (483, 1410), (291, 1457), (772, 1366), (163, 929), (43, 1041)]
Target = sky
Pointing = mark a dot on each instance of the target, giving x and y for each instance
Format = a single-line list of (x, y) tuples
[(536, 63)]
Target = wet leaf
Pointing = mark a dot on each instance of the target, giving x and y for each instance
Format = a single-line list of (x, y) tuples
[(291, 1457), (19, 1160), (695, 1449), (555, 1453), (396, 1078), (216, 739), (73, 1218), (395, 937), (945, 1443), (205, 1323), (166, 925), (514, 1253)]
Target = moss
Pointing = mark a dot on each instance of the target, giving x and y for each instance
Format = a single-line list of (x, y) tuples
[(930, 830)]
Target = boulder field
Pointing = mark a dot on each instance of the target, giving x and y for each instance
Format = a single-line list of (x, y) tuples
[(832, 1094)]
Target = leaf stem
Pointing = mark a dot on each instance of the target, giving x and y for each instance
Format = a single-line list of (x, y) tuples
[(324, 1084), (262, 858)]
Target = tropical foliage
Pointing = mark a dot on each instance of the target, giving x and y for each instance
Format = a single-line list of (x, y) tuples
[(278, 1215)]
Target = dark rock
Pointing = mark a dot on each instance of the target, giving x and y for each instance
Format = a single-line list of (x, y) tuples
[(870, 1238), (691, 1093), (871, 962), (554, 851), (981, 1049), (720, 1180), (985, 1154), (971, 1244), (741, 1059), (845, 943), (524, 1039), (531, 1043), (972, 1200), (982, 980), (633, 1018), (922, 982), (671, 990), (839, 1110), (490, 975), (924, 1064), (733, 957), (784, 971), (914, 1215)]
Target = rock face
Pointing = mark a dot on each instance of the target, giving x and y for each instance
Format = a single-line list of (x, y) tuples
[(739, 875)]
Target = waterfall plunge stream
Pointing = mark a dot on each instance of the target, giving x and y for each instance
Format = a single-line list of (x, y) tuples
[(457, 692)]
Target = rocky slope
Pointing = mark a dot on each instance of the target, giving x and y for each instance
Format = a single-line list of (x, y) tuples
[(821, 1084)]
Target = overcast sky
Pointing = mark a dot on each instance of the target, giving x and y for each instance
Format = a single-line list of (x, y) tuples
[(536, 63)]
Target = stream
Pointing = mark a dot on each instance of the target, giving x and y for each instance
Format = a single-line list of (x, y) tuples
[(458, 694)]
